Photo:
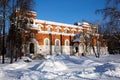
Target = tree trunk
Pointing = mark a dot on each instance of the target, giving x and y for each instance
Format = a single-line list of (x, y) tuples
[(93, 49), (3, 51), (98, 49), (12, 55), (20, 53), (16, 54)]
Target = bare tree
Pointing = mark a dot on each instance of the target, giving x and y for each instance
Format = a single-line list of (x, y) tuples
[(3, 7), (111, 13), (7, 8), (20, 10)]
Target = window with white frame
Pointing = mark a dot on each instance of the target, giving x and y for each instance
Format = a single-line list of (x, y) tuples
[(57, 42), (40, 27), (58, 28), (66, 42), (74, 31), (49, 28), (66, 30), (46, 42)]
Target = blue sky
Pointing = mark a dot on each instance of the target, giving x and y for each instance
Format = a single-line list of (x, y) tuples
[(69, 11)]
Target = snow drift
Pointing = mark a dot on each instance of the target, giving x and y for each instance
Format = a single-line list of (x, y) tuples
[(64, 67), (52, 64)]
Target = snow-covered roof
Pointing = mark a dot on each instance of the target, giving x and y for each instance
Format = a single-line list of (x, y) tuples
[(85, 23), (56, 23)]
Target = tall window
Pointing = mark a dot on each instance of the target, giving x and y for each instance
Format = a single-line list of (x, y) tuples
[(57, 42), (57, 46), (46, 42), (66, 42)]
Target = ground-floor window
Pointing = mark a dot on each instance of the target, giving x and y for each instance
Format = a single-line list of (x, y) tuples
[(66, 42), (57, 42), (57, 46), (46, 42)]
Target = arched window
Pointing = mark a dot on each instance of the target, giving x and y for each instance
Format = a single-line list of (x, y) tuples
[(46, 42), (73, 30), (49, 28), (58, 28), (66, 42), (40, 27), (66, 30), (57, 42)]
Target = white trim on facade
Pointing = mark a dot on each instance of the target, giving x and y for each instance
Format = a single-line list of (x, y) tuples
[(66, 28), (56, 33), (74, 29), (56, 23), (49, 26), (58, 27)]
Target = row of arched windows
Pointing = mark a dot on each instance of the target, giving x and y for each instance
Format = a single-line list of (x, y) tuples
[(57, 42), (58, 28)]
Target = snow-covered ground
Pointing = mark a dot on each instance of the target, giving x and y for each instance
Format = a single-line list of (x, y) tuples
[(64, 67)]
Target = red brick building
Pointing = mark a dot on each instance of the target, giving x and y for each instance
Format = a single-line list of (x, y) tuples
[(47, 37)]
